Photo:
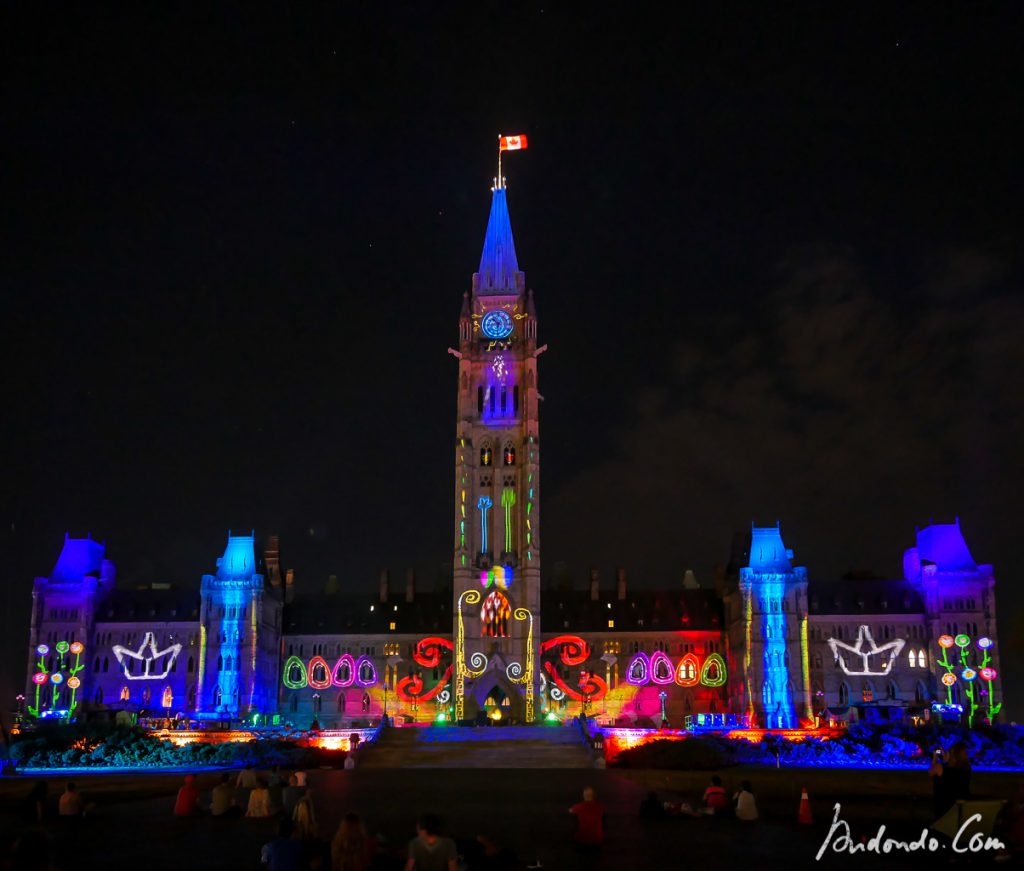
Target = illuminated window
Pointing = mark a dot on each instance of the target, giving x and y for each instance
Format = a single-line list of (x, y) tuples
[(391, 625), (611, 624), (913, 659), (485, 455), (921, 661), (494, 616), (509, 454), (124, 694)]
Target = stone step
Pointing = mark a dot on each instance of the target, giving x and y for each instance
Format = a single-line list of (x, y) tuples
[(522, 747)]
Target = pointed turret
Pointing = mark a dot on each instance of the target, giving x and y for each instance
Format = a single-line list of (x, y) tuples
[(499, 269)]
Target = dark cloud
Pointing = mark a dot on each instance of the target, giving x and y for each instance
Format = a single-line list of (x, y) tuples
[(832, 404)]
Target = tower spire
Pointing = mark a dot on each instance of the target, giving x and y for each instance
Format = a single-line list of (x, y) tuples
[(499, 269)]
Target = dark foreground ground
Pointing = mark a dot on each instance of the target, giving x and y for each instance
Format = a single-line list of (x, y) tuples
[(526, 810)]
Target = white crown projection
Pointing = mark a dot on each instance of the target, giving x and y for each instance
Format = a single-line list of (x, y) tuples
[(148, 655), (861, 654)]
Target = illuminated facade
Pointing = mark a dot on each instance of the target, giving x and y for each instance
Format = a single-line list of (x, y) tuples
[(765, 645)]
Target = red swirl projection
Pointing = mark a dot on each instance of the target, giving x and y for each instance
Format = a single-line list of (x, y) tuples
[(574, 650), (409, 689), (428, 651), (590, 685)]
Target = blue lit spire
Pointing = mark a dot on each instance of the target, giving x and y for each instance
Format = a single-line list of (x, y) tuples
[(499, 270)]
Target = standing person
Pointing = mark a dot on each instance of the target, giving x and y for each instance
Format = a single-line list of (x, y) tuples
[(187, 803), (746, 806), (352, 847), (222, 799), (71, 804), (955, 780), (429, 851), (290, 796), (284, 853), (34, 805), (589, 815)]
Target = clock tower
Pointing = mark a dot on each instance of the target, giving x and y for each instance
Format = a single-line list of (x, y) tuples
[(497, 486)]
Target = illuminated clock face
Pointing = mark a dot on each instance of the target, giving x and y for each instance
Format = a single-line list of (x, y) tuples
[(496, 324)]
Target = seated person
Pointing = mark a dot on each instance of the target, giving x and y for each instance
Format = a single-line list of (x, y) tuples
[(746, 807), (222, 799), (715, 801), (187, 803)]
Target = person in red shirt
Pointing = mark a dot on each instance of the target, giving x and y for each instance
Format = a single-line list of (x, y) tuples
[(187, 804), (589, 815), (715, 799)]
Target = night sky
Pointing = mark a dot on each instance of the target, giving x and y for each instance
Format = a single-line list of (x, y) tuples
[(777, 259)]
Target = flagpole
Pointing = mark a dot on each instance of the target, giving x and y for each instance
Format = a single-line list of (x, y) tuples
[(499, 162)]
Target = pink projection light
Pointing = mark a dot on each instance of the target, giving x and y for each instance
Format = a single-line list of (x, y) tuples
[(346, 679)]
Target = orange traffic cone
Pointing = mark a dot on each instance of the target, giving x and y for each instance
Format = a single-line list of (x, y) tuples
[(803, 816)]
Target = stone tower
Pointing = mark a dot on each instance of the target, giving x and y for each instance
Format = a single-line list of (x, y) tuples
[(240, 622), (767, 617), (497, 486)]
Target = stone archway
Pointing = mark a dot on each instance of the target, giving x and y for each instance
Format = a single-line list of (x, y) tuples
[(490, 691)]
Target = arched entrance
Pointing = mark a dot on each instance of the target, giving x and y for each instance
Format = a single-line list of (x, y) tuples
[(497, 698)]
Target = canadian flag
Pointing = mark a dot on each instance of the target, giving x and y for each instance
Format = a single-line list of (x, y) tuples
[(512, 143)]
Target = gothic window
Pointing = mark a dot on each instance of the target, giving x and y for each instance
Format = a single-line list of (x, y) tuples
[(894, 691), (216, 698), (192, 697), (913, 659), (365, 672), (167, 701), (98, 698), (124, 694), (106, 664), (316, 704), (509, 454), (220, 663), (494, 616), (867, 692), (485, 454), (844, 694), (96, 665), (191, 665), (515, 399), (480, 400), (146, 696), (494, 399), (504, 400), (921, 661), (919, 693)]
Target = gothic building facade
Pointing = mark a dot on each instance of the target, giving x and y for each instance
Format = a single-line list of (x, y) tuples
[(767, 645)]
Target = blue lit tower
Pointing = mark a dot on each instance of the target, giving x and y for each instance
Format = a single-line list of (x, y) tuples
[(239, 624), (497, 466), (64, 611), (960, 598), (773, 622)]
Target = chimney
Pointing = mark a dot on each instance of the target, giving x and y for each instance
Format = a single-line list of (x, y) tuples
[(410, 585), (595, 593), (289, 586), (272, 560), (384, 584), (620, 578)]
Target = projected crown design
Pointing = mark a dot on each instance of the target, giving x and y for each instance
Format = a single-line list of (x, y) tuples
[(150, 658), (866, 653)]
